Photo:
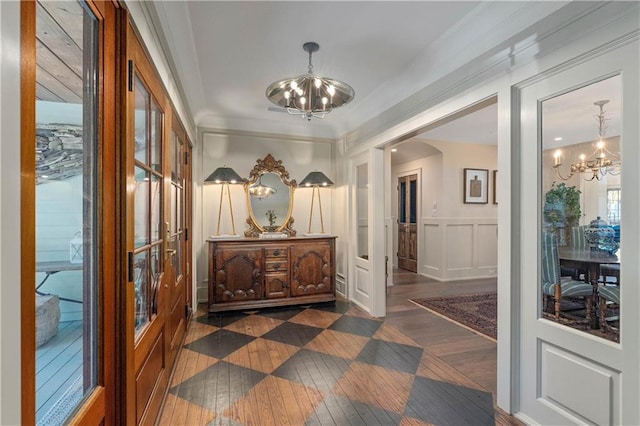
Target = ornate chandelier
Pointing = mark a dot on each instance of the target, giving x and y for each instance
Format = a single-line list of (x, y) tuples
[(309, 95), (600, 163)]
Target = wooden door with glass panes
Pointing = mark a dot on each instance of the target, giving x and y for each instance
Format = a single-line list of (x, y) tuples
[(177, 235), (67, 193), (407, 223), (149, 254)]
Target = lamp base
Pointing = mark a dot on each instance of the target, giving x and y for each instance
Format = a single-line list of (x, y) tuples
[(224, 236), (314, 234), (272, 235)]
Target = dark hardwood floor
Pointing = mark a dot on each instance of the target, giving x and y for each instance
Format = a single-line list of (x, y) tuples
[(334, 364)]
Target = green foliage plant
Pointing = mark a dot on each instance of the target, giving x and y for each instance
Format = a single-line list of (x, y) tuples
[(562, 206)]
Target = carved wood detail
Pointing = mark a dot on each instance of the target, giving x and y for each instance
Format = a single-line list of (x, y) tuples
[(238, 274), (312, 269)]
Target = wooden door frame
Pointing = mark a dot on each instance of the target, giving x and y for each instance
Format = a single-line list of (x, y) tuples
[(100, 404)]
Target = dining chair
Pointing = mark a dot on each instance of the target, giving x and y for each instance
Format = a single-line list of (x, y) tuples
[(609, 297), (578, 242), (557, 287)]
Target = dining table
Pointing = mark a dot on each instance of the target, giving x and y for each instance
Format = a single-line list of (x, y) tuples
[(589, 260)]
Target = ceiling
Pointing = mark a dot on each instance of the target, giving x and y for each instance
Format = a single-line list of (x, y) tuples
[(226, 53)]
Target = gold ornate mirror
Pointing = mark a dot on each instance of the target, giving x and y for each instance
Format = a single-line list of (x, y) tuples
[(269, 198)]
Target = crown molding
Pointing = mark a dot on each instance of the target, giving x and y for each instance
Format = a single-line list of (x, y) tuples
[(557, 30)]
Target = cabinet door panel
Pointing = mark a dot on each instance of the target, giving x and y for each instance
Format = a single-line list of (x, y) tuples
[(311, 269), (238, 274), (276, 285)]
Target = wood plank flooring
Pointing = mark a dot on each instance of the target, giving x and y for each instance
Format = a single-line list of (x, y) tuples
[(334, 364), (58, 365)]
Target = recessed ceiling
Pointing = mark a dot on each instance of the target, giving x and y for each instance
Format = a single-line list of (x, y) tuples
[(227, 52)]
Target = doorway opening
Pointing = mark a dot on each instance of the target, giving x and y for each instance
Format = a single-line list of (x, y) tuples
[(456, 241)]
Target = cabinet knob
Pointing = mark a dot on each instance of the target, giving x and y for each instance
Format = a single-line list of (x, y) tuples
[(276, 253)]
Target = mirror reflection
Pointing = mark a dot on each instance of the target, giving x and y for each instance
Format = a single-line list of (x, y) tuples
[(581, 208), (269, 198)]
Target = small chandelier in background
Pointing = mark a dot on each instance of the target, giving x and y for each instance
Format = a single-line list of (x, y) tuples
[(309, 95), (600, 162)]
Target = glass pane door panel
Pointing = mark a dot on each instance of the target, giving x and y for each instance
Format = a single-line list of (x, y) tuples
[(156, 226), (412, 201), (362, 211), (141, 122), (174, 207), (402, 202), (156, 135), (67, 212), (176, 160), (141, 285), (580, 198), (142, 207)]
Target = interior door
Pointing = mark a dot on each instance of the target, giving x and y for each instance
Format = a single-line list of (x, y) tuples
[(148, 236), (407, 222), (572, 370)]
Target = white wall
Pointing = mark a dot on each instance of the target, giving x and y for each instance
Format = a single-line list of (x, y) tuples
[(455, 240), (240, 151), (58, 219), (10, 389)]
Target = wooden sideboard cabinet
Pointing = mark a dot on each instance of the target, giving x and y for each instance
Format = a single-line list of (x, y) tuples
[(253, 273)]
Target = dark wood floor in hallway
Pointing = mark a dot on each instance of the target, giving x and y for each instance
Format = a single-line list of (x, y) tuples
[(334, 364)]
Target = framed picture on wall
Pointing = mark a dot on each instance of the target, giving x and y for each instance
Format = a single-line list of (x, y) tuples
[(476, 185), (495, 186)]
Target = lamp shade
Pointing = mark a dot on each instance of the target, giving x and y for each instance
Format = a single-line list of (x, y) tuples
[(224, 175), (316, 179)]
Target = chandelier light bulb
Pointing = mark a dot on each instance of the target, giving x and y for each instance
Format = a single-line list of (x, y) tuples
[(294, 85), (287, 95), (317, 83), (303, 100), (331, 90), (324, 100)]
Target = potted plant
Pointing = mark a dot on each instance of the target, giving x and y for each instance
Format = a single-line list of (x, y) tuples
[(562, 209)]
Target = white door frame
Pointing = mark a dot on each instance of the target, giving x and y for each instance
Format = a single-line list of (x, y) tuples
[(367, 285)]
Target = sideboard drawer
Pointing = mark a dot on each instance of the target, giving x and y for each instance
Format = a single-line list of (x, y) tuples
[(275, 253), (276, 266)]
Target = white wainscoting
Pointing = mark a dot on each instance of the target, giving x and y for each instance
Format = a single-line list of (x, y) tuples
[(458, 248)]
